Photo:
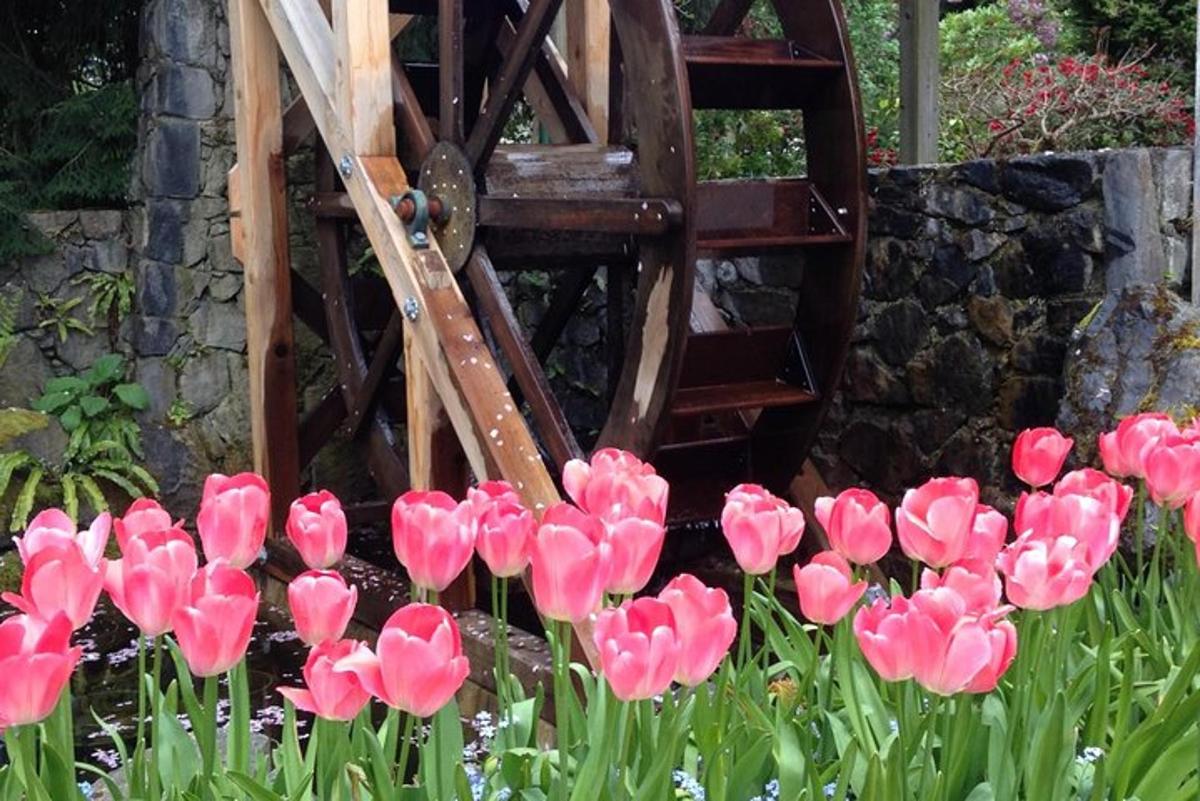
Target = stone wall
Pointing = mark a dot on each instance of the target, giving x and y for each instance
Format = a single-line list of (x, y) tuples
[(976, 277)]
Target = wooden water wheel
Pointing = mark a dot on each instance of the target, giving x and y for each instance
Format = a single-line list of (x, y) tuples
[(710, 404)]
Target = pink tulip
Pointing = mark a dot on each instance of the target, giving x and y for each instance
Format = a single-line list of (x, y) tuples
[(883, 633), (143, 515), (571, 560), (1191, 518), (418, 663), (153, 580), (704, 626), (316, 525), (53, 527), (615, 486), (1172, 467), (1123, 450), (826, 588), (60, 579), (330, 693), (321, 605), (976, 581), (1045, 573), (434, 537), (858, 525), (636, 545), (233, 518), (505, 528), (639, 650), (1095, 484), (1002, 639), (1088, 520), (934, 522), (988, 534), (950, 647), (214, 625), (1039, 454), (36, 661), (759, 527)]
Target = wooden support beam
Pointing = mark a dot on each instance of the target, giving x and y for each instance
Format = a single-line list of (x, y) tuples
[(362, 45), (919, 81), (260, 195), (589, 30)]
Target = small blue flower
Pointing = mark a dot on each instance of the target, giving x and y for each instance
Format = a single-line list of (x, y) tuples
[(1090, 755), (894, 726), (829, 789)]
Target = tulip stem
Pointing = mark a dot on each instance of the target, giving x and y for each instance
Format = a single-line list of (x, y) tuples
[(138, 778), (930, 731), (208, 738), (562, 713), (405, 745), (744, 639), (155, 704), (626, 735), (21, 742), (1140, 532)]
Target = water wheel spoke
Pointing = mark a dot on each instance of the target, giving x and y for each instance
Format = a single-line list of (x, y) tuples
[(548, 416), (415, 132), (387, 350), (450, 70), (308, 306), (320, 423), (568, 294), (726, 17), (633, 216), (510, 80), (550, 91)]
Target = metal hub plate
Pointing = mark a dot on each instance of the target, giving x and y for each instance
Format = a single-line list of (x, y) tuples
[(446, 174)]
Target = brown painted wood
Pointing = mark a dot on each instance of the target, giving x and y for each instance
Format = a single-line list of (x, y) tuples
[(739, 73), (727, 17), (660, 103), (761, 216), (734, 355), (565, 299), (416, 137), (549, 420), (742, 395), (307, 306), (509, 82), (451, 95), (383, 361), (633, 216), (263, 202)]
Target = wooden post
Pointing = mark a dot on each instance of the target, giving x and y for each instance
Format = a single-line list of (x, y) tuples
[(919, 81), (362, 45), (262, 200), (588, 36)]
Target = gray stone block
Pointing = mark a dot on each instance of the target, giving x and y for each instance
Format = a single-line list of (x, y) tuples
[(156, 291), (171, 165), (182, 91), (164, 230), (1131, 207), (154, 336)]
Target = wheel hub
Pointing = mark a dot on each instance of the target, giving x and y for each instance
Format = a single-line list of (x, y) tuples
[(447, 177)]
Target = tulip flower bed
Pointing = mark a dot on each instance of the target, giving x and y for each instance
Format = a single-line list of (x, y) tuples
[(1036, 660)]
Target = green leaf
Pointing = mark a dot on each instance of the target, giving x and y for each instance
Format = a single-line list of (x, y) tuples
[(252, 789), (127, 486), (70, 496), (68, 384), (71, 418), (106, 369), (132, 395), (23, 505), (95, 496), (9, 464), (93, 405), (51, 402), (175, 751)]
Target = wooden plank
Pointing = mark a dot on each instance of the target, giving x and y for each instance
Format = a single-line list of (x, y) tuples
[(769, 394), (383, 361), (919, 81), (634, 216), (589, 28), (510, 81), (364, 75), (550, 93), (261, 196), (237, 235)]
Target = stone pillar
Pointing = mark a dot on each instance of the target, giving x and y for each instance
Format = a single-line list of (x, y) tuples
[(188, 331)]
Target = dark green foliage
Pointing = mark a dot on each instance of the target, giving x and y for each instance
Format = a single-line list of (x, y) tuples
[(1168, 26), (68, 116)]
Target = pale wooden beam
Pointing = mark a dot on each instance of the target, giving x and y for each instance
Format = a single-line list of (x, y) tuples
[(363, 71), (919, 81), (258, 191), (588, 37)]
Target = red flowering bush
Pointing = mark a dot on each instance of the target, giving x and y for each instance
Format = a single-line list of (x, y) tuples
[(1074, 104)]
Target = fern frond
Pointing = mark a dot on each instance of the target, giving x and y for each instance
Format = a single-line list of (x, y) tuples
[(93, 493), (70, 495), (10, 463), (24, 503), (113, 477)]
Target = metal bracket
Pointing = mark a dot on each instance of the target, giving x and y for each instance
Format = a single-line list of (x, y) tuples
[(416, 225)]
